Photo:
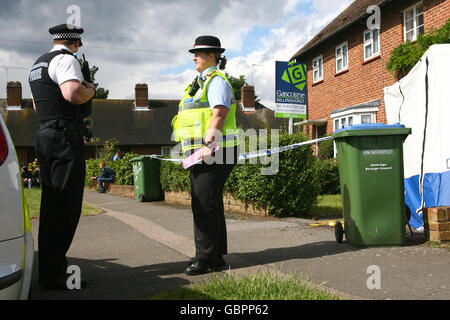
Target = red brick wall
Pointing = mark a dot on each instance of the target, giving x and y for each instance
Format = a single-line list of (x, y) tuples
[(364, 81)]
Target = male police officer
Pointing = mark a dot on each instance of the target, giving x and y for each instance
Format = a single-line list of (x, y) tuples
[(58, 91)]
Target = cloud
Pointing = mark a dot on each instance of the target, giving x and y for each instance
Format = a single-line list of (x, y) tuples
[(282, 42), (136, 40)]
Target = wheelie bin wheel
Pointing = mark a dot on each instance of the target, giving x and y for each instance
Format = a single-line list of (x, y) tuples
[(338, 232), (141, 198)]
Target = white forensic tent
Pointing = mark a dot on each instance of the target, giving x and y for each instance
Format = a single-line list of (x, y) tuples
[(421, 101)]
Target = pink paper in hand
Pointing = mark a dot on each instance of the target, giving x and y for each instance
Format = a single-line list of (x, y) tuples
[(196, 158)]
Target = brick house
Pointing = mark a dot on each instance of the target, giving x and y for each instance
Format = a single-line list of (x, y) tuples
[(346, 60)]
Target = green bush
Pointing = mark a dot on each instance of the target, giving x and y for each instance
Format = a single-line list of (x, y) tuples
[(406, 55), (326, 149), (291, 192), (123, 169), (92, 170), (174, 177), (328, 172)]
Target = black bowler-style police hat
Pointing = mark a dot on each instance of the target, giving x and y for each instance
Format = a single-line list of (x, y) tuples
[(209, 43), (66, 32)]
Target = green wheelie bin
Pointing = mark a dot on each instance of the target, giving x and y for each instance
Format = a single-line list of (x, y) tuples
[(370, 162), (147, 186)]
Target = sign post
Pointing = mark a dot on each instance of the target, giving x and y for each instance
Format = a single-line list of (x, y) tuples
[(290, 91)]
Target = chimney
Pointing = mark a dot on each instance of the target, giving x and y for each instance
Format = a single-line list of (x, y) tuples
[(248, 98), (141, 96), (14, 94)]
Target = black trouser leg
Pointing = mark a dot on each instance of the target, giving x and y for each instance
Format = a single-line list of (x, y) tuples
[(62, 173), (210, 234)]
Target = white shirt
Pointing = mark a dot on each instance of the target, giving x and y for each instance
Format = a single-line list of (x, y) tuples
[(219, 91), (64, 67)]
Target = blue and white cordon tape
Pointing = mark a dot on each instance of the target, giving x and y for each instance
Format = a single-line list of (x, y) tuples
[(268, 152), (259, 153)]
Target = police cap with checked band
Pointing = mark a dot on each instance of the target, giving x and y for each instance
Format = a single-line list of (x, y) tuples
[(66, 32)]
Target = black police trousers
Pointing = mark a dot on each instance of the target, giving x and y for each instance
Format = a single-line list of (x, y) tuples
[(62, 168), (207, 184)]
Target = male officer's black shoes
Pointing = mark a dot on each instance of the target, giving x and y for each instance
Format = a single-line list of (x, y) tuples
[(59, 284)]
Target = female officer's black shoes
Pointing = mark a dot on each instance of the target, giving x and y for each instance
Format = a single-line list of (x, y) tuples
[(196, 267)]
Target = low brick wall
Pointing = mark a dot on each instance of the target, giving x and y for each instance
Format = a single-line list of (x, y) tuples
[(437, 223), (122, 190), (183, 198)]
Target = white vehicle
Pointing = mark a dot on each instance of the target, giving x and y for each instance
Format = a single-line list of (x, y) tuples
[(16, 240)]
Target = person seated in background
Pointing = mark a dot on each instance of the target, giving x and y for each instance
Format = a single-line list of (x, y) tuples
[(107, 176), (26, 177)]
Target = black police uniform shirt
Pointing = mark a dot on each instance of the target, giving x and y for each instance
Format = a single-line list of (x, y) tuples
[(61, 68)]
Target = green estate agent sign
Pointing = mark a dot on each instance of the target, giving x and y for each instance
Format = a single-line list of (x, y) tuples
[(290, 90)]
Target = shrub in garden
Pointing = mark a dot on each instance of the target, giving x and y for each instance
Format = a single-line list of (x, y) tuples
[(328, 172), (291, 192), (406, 55), (174, 177)]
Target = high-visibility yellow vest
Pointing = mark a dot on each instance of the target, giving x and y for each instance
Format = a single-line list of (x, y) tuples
[(194, 113)]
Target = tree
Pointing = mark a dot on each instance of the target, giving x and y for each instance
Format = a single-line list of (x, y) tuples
[(102, 93), (237, 84)]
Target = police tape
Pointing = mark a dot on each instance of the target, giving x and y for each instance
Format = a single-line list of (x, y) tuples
[(268, 152), (158, 157), (259, 153)]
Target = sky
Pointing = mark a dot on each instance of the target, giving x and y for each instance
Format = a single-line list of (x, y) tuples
[(147, 41)]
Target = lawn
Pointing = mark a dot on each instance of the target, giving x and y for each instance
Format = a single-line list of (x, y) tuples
[(33, 199), (263, 286), (328, 206), (268, 286)]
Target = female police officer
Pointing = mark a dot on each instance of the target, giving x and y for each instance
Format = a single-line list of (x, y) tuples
[(206, 117)]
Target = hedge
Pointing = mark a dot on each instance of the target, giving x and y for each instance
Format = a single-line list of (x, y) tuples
[(292, 191)]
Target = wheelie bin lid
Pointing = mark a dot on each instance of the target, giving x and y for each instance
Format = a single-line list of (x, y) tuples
[(371, 129), (142, 158)]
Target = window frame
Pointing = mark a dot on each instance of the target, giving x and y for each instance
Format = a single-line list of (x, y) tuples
[(319, 68), (366, 43), (341, 56), (367, 114), (414, 20)]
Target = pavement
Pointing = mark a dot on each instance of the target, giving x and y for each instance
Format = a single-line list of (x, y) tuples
[(133, 250)]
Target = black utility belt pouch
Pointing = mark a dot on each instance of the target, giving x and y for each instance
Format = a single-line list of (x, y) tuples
[(73, 129)]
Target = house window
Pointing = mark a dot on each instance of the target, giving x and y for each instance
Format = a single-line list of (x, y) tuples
[(343, 121), (342, 57), (366, 118), (317, 64), (371, 43), (350, 121), (413, 22)]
